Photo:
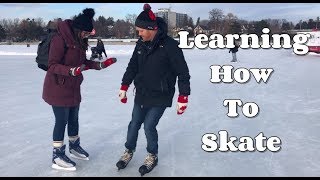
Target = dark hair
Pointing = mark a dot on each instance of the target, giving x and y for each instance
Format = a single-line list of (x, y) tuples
[(83, 43)]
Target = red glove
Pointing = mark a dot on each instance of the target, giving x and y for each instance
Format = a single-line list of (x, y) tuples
[(76, 71), (182, 104), (123, 93), (108, 62), (86, 68)]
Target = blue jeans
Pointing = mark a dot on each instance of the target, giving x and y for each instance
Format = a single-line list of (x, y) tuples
[(234, 57), (64, 116), (150, 116)]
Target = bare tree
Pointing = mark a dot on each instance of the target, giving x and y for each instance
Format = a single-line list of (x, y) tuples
[(11, 27), (131, 18), (274, 25), (215, 17), (231, 17), (121, 29), (101, 27), (228, 21)]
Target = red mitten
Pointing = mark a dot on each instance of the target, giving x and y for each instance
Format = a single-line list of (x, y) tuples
[(86, 68), (76, 71), (123, 93), (108, 62), (182, 104)]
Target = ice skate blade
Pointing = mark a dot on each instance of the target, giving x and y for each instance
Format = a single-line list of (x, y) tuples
[(81, 158), (119, 169), (55, 166)]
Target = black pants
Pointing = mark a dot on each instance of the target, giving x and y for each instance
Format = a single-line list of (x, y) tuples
[(64, 116)]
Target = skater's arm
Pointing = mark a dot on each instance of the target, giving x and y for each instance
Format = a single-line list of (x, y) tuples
[(131, 69), (92, 65), (180, 68)]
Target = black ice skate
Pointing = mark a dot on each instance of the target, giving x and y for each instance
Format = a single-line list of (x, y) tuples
[(125, 159), (76, 151), (150, 162), (61, 161)]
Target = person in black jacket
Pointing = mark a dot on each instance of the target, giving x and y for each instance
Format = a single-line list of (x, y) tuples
[(156, 63), (100, 49), (234, 51)]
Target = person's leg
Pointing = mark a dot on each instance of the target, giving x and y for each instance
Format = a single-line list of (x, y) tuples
[(73, 121), (234, 58), (61, 118), (138, 115), (76, 151), (150, 123), (59, 159)]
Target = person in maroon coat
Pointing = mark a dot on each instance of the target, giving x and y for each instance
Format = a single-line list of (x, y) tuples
[(61, 89)]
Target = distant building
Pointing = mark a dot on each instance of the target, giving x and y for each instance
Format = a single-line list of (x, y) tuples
[(201, 29), (173, 19)]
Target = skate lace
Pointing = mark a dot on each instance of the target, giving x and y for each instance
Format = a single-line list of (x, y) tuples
[(149, 161), (79, 149), (126, 156), (66, 158)]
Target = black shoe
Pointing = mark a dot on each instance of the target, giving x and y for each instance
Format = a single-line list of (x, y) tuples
[(60, 161), (76, 151), (150, 162), (125, 159)]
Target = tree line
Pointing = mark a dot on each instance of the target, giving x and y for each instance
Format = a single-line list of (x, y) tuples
[(21, 30)]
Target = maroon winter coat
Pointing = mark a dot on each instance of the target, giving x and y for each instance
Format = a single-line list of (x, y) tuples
[(61, 89)]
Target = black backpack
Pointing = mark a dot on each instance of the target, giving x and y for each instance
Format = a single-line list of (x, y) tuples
[(43, 51)]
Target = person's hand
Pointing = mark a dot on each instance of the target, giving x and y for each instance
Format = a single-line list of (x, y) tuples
[(107, 62), (123, 93), (182, 104), (76, 71)]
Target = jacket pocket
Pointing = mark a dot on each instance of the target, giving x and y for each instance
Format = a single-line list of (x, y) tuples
[(65, 82), (61, 80), (138, 80)]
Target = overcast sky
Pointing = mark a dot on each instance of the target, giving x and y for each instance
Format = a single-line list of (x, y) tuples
[(248, 11)]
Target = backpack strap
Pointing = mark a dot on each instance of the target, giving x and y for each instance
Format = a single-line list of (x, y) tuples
[(66, 46)]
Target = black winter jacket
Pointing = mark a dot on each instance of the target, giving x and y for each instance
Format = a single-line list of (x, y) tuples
[(235, 49), (154, 68), (100, 48)]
